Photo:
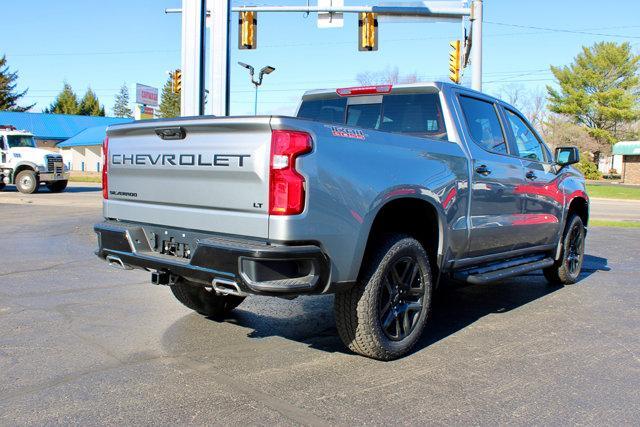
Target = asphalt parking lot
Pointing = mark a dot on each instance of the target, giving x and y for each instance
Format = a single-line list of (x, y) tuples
[(82, 343)]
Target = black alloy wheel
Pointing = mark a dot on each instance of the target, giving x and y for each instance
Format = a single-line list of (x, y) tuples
[(401, 298)]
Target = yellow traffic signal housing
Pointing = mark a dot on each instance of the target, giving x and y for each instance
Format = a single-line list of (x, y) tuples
[(247, 26), (368, 31), (454, 61), (176, 81)]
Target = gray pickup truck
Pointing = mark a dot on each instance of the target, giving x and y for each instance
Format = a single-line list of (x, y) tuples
[(377, 194)]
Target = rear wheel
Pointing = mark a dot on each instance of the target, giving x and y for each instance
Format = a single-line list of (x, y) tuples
[(2, 185), (383, 316), (57, 186), (206, 302), (567, 269), (27, 182)]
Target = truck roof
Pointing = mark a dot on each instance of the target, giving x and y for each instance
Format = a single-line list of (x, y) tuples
[(399, 88), (427, 87)]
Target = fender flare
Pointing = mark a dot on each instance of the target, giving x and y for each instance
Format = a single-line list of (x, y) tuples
[(393, 194)]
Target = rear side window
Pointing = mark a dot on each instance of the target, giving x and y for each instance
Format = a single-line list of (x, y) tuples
[(417, 114), (324, 110), (484, 125)]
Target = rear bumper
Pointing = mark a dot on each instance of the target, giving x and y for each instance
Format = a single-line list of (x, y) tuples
[(256, 267)]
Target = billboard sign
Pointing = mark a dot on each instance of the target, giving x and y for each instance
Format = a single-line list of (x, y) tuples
[(146, 95)]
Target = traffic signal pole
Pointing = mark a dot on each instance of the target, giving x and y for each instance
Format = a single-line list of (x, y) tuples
[(193, 47), (476, 45), (194, 13), (219, 56)]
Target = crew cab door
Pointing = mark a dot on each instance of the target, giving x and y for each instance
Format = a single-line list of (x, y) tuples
[(495, 206), (542, 199)]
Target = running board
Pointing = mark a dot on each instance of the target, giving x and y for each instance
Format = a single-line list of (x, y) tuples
[(492, 276)]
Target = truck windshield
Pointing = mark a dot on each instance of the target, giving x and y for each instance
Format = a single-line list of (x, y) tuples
[(16, 141), (418, 114)]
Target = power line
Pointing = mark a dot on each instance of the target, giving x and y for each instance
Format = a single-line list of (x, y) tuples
[(562, 30)]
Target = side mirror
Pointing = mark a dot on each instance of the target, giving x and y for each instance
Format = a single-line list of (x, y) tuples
[(567, 155)]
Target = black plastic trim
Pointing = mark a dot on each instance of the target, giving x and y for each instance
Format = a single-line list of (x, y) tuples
[(216, 257)]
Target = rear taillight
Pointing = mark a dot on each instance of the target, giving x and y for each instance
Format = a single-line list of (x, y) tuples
[(286, 185), (105, 168)]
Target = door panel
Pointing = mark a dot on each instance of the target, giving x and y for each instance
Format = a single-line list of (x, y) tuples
[(542, 199), (495, 206), (542, 202)]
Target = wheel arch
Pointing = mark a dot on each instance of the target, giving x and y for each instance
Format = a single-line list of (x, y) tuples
[(417, 217), (23, 166), (579, 206)]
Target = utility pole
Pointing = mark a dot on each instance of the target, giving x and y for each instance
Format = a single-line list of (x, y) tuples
[(219, 57), (476, 45), (194, 13)]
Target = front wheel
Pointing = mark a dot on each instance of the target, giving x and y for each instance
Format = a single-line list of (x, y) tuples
[(2, 185), (27, 182), (206, 302), (566, 270), (57, 186), (383, 316)]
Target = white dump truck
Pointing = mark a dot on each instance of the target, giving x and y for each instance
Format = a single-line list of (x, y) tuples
[(26, 166)]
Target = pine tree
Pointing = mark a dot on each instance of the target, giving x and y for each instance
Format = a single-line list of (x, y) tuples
[(8, 97), (121, 105), (600, 90), (65, 103), (170, 102), (90, 106)]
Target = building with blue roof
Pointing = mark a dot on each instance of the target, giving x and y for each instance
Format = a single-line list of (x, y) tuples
[(51, 129), (79, 138)]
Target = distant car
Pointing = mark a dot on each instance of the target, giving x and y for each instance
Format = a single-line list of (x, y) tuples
[(26, 166), (376, 194)]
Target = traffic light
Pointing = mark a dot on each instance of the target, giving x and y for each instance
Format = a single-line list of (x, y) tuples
[(247, 34), (368, 31), (176, 81), (454, 61)]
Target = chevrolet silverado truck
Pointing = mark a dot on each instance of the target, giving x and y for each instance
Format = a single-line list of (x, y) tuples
[(26, 166), (377, 194)]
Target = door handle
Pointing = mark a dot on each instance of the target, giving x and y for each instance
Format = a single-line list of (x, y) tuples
[(483, 170), (531, 175)]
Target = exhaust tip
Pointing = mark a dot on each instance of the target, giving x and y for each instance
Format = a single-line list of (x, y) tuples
[(116, 262), (227, 287)]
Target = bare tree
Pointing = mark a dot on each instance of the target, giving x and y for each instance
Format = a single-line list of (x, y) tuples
[(387, 76)]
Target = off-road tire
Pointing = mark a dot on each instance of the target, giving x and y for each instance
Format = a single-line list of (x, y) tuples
[(358, 310), (27, 182), (561, 272), (57, 186), (203, 301)]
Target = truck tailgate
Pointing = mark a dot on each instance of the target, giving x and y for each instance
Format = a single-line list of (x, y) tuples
[(209, 174)]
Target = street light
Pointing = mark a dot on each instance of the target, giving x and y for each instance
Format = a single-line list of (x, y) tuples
[(265, 70)]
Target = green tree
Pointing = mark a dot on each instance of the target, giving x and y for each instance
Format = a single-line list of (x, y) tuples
[(65, 103), (170, 102), (8, 96), (90, 105), (599, 90), (121, 105)]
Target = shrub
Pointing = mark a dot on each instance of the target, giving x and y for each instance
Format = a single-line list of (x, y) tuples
[(588, 168)]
